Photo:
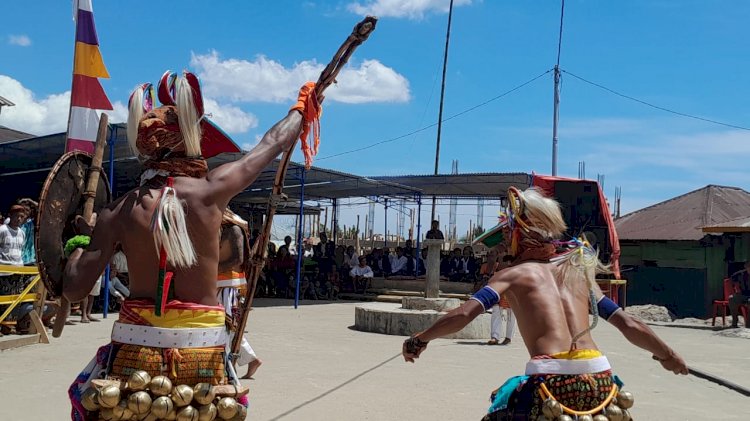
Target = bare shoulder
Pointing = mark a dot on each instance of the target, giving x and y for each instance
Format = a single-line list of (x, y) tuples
[(520, 273)]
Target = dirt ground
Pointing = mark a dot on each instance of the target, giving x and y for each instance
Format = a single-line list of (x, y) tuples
[(317, 368)]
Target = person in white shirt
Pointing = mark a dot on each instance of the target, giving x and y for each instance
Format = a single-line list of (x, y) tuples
[(351, 257), (398, 263), (361, 275), (12, 237)]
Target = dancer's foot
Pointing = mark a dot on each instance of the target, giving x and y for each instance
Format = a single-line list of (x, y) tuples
[(252, 368), (506, 341), (493, 341), (84, 320)]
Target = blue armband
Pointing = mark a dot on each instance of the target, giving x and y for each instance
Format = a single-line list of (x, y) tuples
[(487, 297), (607, 307)]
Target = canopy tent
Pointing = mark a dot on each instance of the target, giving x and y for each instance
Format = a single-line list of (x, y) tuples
[(476, 185)]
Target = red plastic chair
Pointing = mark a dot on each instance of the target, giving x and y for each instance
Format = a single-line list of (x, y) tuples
[(729, 289)]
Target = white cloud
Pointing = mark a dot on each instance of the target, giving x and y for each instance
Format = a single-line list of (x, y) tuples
[(42, 116), (411, 9), (38, 116), (248, 145), (19, 40), (267, 80), (231, 119)]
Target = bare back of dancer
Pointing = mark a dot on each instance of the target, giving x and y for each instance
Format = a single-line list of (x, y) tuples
[(128, 221)]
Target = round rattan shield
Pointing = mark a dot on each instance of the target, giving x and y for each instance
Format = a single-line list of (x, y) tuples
[(60, 202)]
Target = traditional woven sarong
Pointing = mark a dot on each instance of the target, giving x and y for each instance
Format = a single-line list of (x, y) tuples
[(186, 343), (580, 380)]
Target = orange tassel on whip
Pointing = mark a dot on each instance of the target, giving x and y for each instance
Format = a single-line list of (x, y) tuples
[(307, 104)]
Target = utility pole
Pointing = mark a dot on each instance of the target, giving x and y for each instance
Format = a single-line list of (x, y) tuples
[(442, 97), (556, 97)]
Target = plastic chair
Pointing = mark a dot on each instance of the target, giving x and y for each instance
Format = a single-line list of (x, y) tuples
[(729, 289)]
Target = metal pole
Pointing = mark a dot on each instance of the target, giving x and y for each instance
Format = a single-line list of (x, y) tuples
[(385, 241), (555, 118), (419, 233), (442, 97), (300, 249), (334, 221), (107, 274)]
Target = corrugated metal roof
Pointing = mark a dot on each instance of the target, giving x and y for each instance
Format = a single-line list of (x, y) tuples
[(7, 134), (683, 217), (489, 185)]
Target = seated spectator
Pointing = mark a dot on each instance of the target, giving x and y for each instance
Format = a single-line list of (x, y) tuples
[(455, 266), (281, 269), (322, 245), (287, 245), (308, 288), (351, 258), (398, 263), (422, 266), (333, 284), (361, 275), (468, 265)]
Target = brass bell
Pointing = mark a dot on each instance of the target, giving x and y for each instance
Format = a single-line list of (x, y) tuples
[(625, 400), (162, 406), (203, 393), (207, 412), (626, 415), (90, 399), (138, 381), (564, 417), (586, 417), (139, 402), (600, 418), (109, 396), (551, 408), (106, 414), (613, 412), (182, 395), (148, 416), (227, 408), (121, 411), (172, 415), (160, 386), (188, 413), (241, 413)]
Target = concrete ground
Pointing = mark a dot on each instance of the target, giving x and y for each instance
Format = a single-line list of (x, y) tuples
[(317, 368)]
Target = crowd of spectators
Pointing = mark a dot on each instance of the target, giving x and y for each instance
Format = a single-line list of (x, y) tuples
[(328, 269)]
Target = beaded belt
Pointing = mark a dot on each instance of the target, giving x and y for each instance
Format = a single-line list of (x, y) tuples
[(159, 337)]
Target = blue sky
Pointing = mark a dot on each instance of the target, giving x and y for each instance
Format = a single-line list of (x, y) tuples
[(689, 56)]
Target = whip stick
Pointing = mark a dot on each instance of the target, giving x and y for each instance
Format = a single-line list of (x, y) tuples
[(92, 183), (718, 380), (258, 254)]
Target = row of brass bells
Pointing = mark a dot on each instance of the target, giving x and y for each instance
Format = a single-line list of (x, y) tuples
[(617, 410), (169, 403)]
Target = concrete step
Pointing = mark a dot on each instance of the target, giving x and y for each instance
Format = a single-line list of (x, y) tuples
[(391, 296)]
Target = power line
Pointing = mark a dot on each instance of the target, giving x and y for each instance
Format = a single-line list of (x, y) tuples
[(612, 91), (393, 139)]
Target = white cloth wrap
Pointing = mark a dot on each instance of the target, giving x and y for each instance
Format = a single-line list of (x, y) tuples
[(159, 337), (569, 367)]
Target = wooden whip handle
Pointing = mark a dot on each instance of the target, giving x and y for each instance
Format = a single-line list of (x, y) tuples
[(92, 184)]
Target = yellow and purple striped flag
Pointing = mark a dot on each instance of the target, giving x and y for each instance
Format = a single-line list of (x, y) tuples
[(87, 94)]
